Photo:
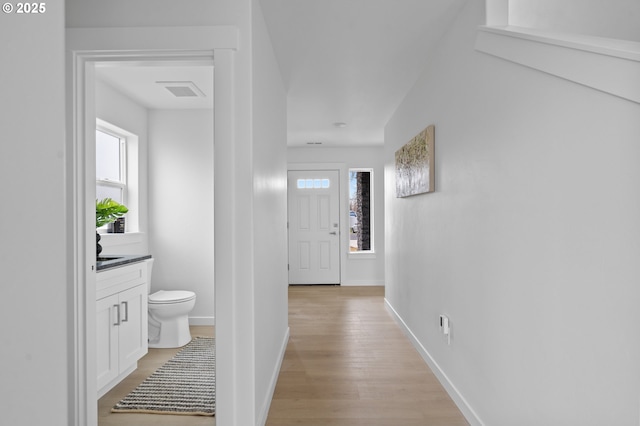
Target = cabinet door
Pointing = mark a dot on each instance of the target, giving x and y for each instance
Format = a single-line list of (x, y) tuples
[(107, 339), (133, 338)]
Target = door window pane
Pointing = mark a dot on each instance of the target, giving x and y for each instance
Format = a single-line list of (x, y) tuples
[(313, 183)]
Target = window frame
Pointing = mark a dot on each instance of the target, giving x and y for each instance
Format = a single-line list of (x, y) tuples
[(129, 171), (371, 251), (122, 182)]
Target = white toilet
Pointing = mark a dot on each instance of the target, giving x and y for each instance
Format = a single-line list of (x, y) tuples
[(169, 315)]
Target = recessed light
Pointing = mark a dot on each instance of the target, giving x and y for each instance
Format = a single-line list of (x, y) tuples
[(340, 125)]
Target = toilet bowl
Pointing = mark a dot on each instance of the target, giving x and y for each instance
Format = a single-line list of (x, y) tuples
[(169, 316)]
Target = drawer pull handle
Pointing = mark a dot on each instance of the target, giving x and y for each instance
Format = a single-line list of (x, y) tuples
[(118, 315), (126, 311)]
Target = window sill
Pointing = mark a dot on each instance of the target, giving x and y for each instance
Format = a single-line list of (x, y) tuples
[(121, 239), (609, 65), (362, 255)]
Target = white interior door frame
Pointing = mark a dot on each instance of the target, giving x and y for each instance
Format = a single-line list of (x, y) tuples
[(344, 203), (85, 47)]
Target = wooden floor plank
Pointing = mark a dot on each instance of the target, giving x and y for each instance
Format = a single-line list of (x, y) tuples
[(348, 363)]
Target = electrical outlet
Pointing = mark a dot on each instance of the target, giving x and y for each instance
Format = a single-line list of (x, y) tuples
[(444, 324), (445, 327)]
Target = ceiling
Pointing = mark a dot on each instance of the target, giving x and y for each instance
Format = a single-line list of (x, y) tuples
[(342, 61), (139, 81), (351, 61)]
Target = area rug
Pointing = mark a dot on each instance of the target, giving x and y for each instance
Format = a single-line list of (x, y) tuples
[(184, 385)]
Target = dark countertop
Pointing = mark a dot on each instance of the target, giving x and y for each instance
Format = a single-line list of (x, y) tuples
[(119, 260)]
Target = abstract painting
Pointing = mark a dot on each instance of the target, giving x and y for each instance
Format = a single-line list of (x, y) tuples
[(415, 165)]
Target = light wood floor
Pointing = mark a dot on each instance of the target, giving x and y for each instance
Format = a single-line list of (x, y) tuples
[(146, 366), (348, 363)]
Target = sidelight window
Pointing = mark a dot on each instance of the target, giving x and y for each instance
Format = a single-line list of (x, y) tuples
[(361, 210)]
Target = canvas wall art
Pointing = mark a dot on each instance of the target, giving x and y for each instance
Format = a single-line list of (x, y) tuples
[(415, 165)]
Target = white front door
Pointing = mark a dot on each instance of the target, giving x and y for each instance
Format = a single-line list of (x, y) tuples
[(314, 227)]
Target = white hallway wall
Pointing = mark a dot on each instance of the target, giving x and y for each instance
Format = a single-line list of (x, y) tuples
[(243, 377), (181, 205), (530, 242), (34, 255), (359, 269), (269, 187)]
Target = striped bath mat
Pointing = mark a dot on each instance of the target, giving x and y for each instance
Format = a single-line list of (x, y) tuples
[(184, 385)]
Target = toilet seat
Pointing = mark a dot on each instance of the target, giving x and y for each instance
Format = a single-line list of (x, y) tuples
[(164, 297)]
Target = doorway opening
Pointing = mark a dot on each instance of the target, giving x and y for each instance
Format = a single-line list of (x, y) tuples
[(171, 175), (85, 48)]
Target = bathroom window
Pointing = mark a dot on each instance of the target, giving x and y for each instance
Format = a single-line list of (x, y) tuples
[(111, 157), (117, 172), (360, 211)]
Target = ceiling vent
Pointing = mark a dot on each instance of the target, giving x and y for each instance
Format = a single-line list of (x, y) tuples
[(182, 89)]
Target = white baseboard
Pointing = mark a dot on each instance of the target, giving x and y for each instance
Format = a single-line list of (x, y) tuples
[(453, 392), (363, 283), (202, 320), (274, 380)]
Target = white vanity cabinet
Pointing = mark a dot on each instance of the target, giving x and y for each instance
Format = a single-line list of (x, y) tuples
[(121, 322)]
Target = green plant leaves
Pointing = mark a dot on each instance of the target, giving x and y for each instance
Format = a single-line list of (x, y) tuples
[(108, 211)]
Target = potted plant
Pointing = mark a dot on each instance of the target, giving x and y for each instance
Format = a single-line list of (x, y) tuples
[(107, 211)]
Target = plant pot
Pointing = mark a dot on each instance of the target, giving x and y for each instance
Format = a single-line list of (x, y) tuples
[(98, 246)]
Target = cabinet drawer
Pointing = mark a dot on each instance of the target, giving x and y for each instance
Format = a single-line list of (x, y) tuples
[(119, 279)]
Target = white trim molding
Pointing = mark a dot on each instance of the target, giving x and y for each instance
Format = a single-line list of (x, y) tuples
[(211, 320), (363, 283), (148, 39), (462, 404), (611, 66), (266, 405)]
